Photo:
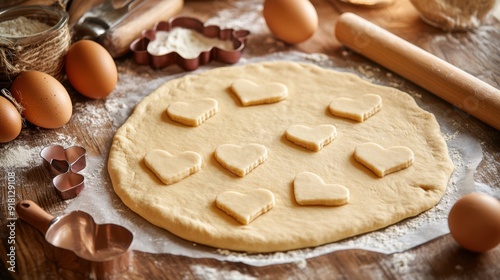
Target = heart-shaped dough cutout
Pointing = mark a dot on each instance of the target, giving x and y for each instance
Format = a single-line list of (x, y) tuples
[(251, 93), (310, 189), (245, 207), (194, 113), (383, 161), (240, 160), (313, 139), (171, 169), (359, 109)]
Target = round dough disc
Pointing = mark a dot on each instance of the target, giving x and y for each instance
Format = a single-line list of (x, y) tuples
[(187, 208)]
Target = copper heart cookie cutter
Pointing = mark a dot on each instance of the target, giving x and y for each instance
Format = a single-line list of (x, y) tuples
[(78, 243), (63, 165)]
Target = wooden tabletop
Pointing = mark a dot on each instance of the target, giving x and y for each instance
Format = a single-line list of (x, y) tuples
[(476, 52)]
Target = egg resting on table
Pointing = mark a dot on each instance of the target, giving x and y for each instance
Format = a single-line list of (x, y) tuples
[(474, 222), (293, 21), (45, 101), (10, 121), (90, 69)]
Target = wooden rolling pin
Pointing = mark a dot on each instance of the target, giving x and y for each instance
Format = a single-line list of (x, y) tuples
[(428, 71), (117, 40)]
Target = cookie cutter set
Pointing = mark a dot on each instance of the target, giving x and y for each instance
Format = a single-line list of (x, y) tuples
[(75, 240), (64, 165), (139, 47)]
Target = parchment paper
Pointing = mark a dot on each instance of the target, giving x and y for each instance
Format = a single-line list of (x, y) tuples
[(99, 200)]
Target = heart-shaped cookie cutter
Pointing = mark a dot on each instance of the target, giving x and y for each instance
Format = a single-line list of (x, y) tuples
[(78, 243), (140, 46), (63, 165)]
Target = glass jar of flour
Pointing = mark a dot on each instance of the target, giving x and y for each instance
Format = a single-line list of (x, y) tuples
[(33, 37), (455, 14)]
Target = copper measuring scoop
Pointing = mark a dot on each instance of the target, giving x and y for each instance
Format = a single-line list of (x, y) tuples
[(78, 243)]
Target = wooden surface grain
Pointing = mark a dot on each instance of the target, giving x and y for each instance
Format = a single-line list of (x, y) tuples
[(476, 52)]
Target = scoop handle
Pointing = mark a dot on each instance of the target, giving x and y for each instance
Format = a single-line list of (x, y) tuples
[(30, 212), (426, 70)]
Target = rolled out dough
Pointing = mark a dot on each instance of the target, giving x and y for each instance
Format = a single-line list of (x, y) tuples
[(187, 208)]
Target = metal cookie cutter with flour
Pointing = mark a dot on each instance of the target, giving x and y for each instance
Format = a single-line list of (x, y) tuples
[(237, 39), (116, 23), (77, 243), (64, 165)]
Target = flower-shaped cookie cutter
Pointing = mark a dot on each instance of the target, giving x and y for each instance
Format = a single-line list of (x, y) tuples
[(63, 165), (140, 46)]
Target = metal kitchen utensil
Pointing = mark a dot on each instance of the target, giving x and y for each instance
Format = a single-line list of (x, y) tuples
[(60, 160), (68, 185), (64, 164), (78, 243), (104, 17), (115, 24), (140, 46)]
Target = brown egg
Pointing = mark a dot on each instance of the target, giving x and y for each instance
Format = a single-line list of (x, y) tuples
[(292, 21), (474, 222), (11, 122), (90, 69), (45, 101)]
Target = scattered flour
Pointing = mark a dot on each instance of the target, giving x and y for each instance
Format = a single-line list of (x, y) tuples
[(302, 264), (210, 273), (316, 57), (370, 72), (239, 15), (90, 116), (21, 27), (450, 136), (401, 263), (21, 154)]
